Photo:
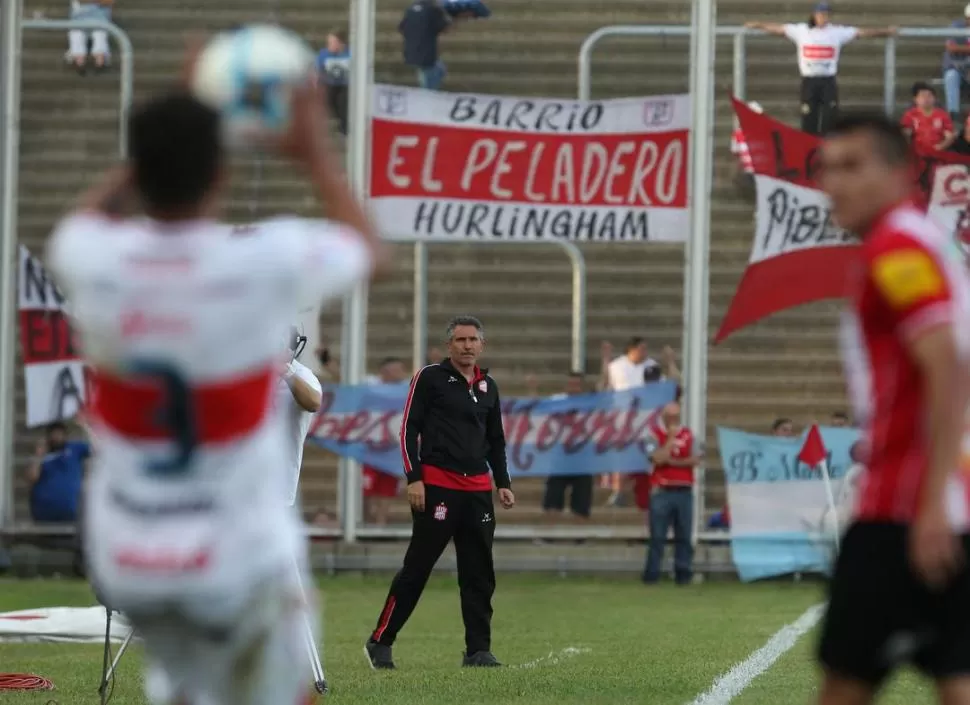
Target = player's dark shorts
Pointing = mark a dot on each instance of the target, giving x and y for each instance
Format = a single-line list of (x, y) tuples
[(880, 615), (580, 499)]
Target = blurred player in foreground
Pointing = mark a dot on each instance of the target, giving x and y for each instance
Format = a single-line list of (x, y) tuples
[(901, 588), (181, 320)]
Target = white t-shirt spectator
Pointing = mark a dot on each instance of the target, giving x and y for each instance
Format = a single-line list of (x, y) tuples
[(819, 47), (623, 374)]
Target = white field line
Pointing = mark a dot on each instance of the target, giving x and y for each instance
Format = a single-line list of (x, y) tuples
[(554, 657), (729, 686)]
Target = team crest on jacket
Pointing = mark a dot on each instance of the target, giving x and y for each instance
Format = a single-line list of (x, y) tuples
[(440, 512), (483, 386)]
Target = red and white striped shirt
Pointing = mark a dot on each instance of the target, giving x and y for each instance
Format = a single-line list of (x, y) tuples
[(910, 278)]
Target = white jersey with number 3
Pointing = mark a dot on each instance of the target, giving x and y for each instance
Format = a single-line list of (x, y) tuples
[(181, 325)]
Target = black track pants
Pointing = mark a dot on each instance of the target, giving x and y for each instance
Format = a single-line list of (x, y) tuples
[(469, 519)]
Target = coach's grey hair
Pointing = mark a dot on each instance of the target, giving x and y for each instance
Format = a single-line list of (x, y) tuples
[(464, 321)]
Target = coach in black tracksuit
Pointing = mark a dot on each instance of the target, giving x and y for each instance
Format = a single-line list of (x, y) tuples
[(451, 436)]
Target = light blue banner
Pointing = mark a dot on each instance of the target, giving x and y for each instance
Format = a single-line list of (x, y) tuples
[(781, 519), (585, 434)]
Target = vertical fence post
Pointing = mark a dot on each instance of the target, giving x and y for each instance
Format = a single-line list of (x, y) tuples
[(10, 43)]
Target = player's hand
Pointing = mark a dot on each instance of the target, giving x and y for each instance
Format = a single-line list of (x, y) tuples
[(934, 547), (506, 498), (305, 139), (606, 350), (194, 44), (416, 496), (41, 448)]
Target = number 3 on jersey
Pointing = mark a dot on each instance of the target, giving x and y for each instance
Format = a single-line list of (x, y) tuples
[(174, 413)]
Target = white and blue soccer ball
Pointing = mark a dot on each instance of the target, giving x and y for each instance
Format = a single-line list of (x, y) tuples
[(248, 75)]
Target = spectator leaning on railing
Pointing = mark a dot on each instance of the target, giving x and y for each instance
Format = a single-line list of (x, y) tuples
[(927, 126), (819, 44), (333, 64), (580, 486), (423, 22), (78, 40), (379, 487), (673, 452), (956, 63), (628, 371)]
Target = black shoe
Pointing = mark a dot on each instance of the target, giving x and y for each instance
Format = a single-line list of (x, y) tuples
[(480, 659), (378, 655)]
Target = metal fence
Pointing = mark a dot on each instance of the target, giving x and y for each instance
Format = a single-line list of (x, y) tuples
[(355, 308)]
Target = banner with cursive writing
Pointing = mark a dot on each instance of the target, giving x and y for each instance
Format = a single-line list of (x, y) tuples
[(584, 434), (464, 165), (54, 375), (780, 516)]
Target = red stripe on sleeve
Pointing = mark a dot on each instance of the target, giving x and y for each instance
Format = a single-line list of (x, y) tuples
[(404, 422)]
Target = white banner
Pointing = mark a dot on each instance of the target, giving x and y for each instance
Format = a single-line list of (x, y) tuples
[(791, 218), (54, 375), (458, 165), (950, 202)]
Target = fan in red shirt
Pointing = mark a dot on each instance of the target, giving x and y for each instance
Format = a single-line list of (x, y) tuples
[(901, 587), (929, 127), (673, 454)]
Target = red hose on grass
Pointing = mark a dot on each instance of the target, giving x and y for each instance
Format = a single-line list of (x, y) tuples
[(24, 681)]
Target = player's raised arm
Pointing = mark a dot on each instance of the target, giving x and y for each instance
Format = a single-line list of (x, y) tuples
[(308, 143)]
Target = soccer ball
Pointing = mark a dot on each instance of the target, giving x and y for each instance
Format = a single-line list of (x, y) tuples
[(248, 76)]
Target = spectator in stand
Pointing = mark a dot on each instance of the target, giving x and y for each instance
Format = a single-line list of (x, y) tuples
[(927, 126), (744, 166), (839, 419), (380, 487), (783, 427), (819, 44), (55, 476), (627, 371), (333, 64), (580, 486), (669, 371), (956, 63), (672, 452), (423, 22), (79, 40)]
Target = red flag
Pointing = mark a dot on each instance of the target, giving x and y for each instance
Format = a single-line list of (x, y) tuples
[(799, 255), (813, 452)]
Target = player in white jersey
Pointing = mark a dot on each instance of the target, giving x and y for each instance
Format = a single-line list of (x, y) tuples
[(181, 318), (298, 394)]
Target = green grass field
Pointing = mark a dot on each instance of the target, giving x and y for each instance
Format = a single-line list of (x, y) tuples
[(650, 646)]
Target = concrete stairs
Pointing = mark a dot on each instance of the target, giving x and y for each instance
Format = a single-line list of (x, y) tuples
[(786, 366)]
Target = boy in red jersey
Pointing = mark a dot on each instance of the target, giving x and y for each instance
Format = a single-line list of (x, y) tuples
[(929, 127), (901, 589)]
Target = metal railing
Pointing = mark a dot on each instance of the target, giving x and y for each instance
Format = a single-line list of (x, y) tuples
[(127, 68), (739, 71), (349, 481), (576, 259), (13, 25)]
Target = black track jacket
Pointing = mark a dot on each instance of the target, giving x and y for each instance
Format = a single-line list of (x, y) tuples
[(452, 431)]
